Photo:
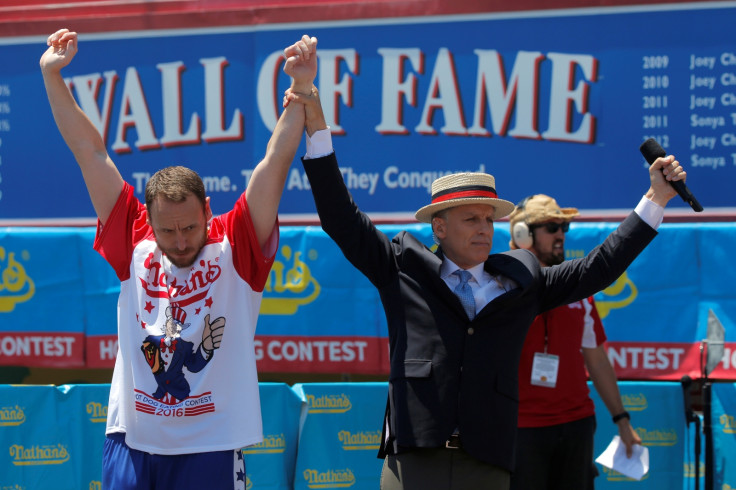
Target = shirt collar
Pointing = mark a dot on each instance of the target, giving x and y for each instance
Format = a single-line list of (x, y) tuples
[(448, 267)]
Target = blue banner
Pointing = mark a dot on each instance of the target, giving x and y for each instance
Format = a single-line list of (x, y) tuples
[(657, 416), (340, 435), (553, 101), (326, 435), (270, 464), (319, 314)]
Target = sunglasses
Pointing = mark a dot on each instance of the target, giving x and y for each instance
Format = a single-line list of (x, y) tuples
[(553, 227)]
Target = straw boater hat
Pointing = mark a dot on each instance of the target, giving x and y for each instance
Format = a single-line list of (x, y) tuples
[(464, 188), (538, 209)]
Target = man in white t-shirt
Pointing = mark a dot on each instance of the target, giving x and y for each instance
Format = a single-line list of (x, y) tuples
[(184, 394)]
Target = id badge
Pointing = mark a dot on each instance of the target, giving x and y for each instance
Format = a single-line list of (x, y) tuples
[(544, 369)]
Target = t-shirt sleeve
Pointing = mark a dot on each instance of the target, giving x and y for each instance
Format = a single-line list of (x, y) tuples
[(251, 262), (593, 333), (125, 227)]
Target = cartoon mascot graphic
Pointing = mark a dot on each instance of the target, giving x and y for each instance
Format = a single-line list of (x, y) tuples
[(168, 354)]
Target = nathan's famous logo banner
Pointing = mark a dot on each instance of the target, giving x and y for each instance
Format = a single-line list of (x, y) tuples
[(319, 314)]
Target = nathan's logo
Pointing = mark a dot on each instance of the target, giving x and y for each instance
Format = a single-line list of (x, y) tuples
[(95, 485), (12, 416), (329, 403), (613, 475), (290, 284), (330, 478), (618, 295), (38, 455), (634, 403), (729, 423), (690, 469), (15, 285), (248, 483), (272, 443), (12, 487), (362, 440), (195, 288), (657, 437), (97, 412)]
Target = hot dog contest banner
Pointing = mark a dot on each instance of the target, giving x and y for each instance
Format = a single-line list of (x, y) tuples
[(326, 436), (58, 302), (553, 101)]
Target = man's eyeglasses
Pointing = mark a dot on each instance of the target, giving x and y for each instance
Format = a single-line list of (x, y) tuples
[(553, 227)]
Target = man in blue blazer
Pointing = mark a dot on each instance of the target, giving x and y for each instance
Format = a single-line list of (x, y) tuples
[(455, 341)]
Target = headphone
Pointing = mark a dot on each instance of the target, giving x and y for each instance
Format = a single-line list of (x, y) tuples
[(521, 234)]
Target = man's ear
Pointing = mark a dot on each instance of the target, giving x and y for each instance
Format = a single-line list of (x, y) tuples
[(207, 209), (439, 227)]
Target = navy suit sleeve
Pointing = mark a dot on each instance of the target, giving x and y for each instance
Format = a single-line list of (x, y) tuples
[(576, 279), (366, 247)]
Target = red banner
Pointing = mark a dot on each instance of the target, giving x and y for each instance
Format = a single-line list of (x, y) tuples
[(42, 349), (667, 361), (282, 354)]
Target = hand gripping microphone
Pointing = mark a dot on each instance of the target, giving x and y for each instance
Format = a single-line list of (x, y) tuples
[(651, 151)]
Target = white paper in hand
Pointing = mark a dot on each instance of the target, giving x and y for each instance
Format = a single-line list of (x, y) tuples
[(614, 457)]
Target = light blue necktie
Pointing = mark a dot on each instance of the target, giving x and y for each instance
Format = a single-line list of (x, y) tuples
[(465, 292)]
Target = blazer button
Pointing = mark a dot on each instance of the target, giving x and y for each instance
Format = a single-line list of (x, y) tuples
[(471, 331)]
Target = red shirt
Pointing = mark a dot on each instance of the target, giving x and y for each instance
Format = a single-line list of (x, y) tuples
[(569, 328)]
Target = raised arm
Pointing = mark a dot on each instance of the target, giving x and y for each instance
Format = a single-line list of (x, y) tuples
[(267, 183), (102, 178)]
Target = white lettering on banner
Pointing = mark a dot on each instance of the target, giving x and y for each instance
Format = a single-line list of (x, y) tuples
[(394, 178), (443, 94), (134, 111), (330, 90), (134, 114), (728, 59), (312, 350), (712, 162), (729, 358), (360, 180), (518, 96), (702, 142), (728, 79), (514, 99), (728, 99), (266, 90), (702, 82), (707, 122), (395, 87), (171, 101), (108, 349), (36, 346), (656, 358), (88, 87), (698, 102), (329, 87), (702, 62)]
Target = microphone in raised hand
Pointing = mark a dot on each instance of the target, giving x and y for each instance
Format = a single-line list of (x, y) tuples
[(653, 150)]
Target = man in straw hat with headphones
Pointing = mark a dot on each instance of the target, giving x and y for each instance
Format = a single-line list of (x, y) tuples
[(554, 446), (457, 317)]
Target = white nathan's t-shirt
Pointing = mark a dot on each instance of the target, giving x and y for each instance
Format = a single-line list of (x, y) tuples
[(168, 394)]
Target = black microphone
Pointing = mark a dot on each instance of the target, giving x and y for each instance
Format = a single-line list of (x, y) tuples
[(686, 381), (651, 151)]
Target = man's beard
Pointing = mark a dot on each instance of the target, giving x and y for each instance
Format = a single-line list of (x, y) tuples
[(552, 258)]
